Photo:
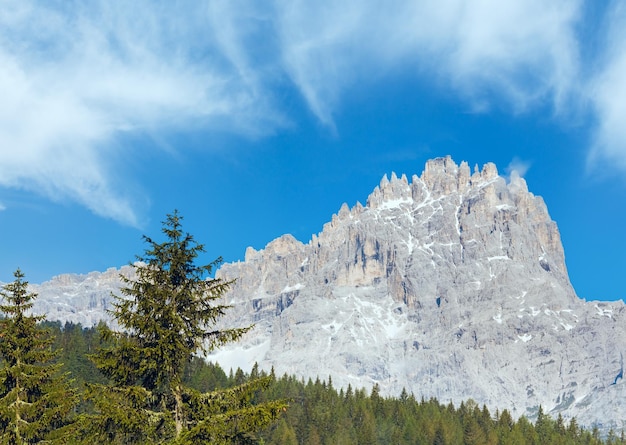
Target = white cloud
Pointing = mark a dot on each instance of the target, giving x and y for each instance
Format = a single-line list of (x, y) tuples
[(607, 92), (74, 80), (518, 166), (76, 77), (525, 51)]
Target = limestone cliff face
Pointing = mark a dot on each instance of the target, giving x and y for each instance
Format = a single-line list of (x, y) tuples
[(449, 235), (83, 299), (452, 285)]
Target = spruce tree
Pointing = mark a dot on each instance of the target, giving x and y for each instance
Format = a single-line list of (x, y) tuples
[(168, 313), (35, 398)]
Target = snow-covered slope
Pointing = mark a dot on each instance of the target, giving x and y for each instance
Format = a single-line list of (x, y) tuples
[(452, 285)]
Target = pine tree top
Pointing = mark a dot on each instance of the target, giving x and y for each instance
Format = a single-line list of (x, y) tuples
[(17, 298), (20, 338)]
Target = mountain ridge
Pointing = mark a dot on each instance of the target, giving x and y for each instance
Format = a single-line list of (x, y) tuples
[(453, 285)]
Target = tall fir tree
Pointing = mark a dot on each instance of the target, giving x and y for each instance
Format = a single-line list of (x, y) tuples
[(167, 314), (36, 400)]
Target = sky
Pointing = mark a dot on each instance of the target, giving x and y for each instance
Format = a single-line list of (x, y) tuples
[(257, 119)]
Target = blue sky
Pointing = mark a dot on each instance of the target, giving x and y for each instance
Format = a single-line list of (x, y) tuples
[(257, 119)]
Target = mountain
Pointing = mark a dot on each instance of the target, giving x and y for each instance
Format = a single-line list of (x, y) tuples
[(452, 285), (74, 298)]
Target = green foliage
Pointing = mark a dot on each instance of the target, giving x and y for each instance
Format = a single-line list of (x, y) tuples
[(169, 310), (35, 399), (73, 344), (167, 314), (320, 414), (227, 416)]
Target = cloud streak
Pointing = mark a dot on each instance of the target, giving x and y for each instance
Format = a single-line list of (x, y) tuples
[(523, 51), (76, 80), (607, 93)]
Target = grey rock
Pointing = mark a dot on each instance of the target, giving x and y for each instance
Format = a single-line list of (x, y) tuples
[(84, 299)]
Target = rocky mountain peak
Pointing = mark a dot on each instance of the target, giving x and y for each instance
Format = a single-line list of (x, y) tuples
[(416, 235), (453, 285)]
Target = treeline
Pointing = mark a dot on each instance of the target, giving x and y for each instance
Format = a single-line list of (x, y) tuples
[(319, 413)]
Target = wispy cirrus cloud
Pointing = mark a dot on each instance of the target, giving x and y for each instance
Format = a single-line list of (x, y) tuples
[(77, 78), (607, 93), (522, 51)]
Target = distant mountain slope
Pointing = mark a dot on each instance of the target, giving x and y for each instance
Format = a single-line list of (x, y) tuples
[(453, 285), (77, 298)]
